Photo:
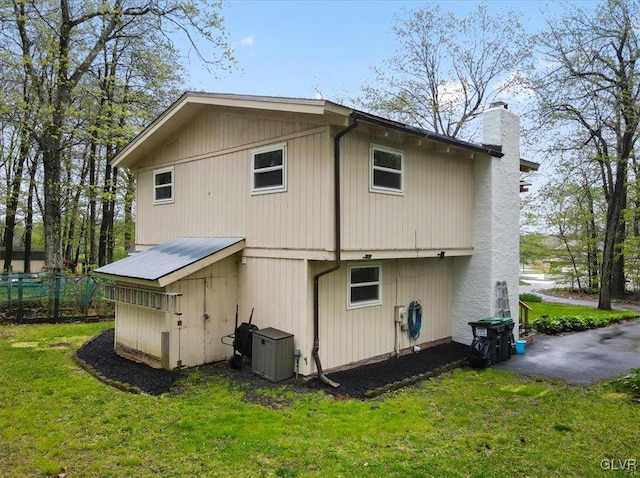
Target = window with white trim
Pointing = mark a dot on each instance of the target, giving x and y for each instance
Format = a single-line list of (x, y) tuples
[(269, 169), (387, 170), (163, 185), (364, 285)]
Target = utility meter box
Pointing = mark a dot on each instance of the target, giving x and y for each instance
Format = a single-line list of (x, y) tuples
[(272, 354)]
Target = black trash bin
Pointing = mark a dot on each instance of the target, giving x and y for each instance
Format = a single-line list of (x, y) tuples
[(506, 341), (480, 351), (489, 330), (505, 345)]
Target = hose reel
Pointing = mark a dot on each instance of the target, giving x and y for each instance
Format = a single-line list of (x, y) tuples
[(414, 325)]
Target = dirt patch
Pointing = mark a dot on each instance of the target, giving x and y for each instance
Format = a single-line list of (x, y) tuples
[(361, 382), (25, 345)]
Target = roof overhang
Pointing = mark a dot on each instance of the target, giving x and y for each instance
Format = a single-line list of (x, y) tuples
[(528, 166), (428, 135), (171, 261), (185, 108)]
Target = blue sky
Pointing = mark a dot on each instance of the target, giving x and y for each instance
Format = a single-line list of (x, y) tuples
[(306, 48)]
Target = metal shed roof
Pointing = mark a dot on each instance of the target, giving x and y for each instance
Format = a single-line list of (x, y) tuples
[(171, 261)]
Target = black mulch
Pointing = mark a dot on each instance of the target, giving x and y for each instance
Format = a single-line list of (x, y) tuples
[(99, 355), (367, 380), (360, 382)]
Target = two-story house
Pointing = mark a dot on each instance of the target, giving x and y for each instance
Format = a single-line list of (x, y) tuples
[(325, 220)]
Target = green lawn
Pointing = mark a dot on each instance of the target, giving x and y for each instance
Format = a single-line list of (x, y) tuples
[(465, 423), (549, 308)]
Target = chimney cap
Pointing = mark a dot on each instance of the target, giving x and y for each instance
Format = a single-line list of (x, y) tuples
[(499, 104)]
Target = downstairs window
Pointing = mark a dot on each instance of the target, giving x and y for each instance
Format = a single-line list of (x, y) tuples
[(364, 286)]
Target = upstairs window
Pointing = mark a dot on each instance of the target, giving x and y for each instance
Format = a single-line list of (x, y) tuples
[(387, 166), (163, 185), (269, 169), (365, 286)]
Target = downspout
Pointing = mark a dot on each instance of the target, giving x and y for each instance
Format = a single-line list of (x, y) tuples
[(338, 261)]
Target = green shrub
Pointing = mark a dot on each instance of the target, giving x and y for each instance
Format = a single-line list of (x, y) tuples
[(529, 297), (630, 383), (558, 324)]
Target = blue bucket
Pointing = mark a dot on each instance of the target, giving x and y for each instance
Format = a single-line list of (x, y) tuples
[(520, 346)]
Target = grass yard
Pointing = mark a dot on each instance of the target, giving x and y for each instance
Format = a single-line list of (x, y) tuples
[(465, 423), (539, 309), (553, 319)]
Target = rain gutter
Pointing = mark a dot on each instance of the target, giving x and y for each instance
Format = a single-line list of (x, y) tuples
[(338, 260)]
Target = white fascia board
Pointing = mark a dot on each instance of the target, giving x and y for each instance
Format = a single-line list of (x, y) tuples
[(130, 280)]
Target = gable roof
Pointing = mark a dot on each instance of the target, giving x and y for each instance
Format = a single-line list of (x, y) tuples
[(184, 109), (171, 261)]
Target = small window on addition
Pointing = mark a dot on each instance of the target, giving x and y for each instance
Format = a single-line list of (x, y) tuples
[(364, 286), (387, 170), (269, 169), (163, 185)]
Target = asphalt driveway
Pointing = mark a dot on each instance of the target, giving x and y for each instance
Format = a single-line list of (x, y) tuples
[(581, 358)]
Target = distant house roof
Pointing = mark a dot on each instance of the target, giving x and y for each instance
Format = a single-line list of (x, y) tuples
[(171, 261), (182, 111), (37, 253), (527, 167)]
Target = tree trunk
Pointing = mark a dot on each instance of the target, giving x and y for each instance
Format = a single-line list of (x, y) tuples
[(51, 158), (128, 211), (72, 217), (592, 241), (107, 211), (28, 222), (614, 216), (13, 196), (594, 281), (618, 283), (93, 185)]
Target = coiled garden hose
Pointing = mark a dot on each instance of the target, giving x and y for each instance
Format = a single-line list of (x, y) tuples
[(414, 325)]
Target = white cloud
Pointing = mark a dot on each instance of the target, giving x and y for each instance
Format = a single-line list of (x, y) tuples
[(248, 41)]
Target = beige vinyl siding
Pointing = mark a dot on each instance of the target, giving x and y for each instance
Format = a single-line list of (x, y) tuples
[(221, 130), (277, 290), (140, 329), (435, 211), (213, 198), (350, 336), (210, 292)]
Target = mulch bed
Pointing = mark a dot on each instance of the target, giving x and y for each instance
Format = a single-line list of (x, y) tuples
[(98, 356), (366, 381), (370, 380)]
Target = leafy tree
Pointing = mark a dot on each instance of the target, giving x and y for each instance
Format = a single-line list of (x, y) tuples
[(446, 68), (589, 86), (572, 209), (89, 73), (533, 248)]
